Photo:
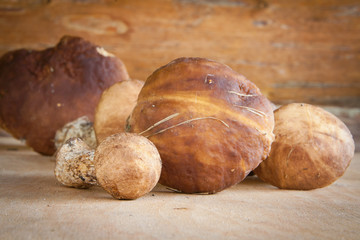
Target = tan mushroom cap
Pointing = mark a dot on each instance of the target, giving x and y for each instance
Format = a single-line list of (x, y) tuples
[(127, 165), (114, 107), (312, 148)]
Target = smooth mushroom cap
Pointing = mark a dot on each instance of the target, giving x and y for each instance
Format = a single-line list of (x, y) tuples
[(41, 91), (114, 107), (312, 148), (210, 124)]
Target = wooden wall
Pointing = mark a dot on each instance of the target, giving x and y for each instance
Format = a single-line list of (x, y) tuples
[(298, 50)]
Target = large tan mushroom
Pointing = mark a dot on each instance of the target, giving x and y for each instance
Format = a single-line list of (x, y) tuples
[(41, 91)]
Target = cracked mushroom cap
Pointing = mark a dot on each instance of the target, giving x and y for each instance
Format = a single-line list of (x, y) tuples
[(41, 91)]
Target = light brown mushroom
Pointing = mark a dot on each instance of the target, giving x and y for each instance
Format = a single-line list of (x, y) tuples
[(114, 107), (127, 165), (312, 148)]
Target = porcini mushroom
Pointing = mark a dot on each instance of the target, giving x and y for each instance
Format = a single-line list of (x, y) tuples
[(81, 128), (210, 124), (41, 91), (312, 148), (127, 165), (75, 164), (115, 105)]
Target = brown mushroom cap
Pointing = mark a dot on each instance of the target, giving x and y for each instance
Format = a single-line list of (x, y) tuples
[(312, 148), (210, 124), (41, 91)]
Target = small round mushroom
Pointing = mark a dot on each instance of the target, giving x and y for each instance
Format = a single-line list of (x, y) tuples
[(75, 164), (81, 128), (127, 165)]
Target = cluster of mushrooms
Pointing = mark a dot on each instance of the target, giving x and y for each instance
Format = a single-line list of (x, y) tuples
[(194, 125)]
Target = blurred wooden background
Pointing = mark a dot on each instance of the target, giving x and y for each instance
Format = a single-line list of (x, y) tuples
[(295, 51)]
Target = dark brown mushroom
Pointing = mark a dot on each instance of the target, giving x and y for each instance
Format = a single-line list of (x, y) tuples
[(41, 91)]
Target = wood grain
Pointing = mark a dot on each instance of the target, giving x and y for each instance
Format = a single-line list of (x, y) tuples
[(294, 51), (33, 205), (303, 51)]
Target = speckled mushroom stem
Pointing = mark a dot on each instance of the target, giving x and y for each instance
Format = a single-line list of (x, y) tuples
[(75, 164)]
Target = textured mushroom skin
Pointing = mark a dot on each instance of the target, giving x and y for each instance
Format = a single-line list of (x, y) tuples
[(41, 91), (127, 165), (312, 148), (81, 127), (75, 164), (205, 155)]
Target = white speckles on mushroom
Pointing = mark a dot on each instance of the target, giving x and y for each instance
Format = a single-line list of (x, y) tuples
[(81, 128), (103, 52), (75, 164)]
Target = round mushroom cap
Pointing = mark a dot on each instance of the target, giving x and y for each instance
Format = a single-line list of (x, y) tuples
[(41, 91), (211, 125), (114, 107), (127, 165), (312, 148)]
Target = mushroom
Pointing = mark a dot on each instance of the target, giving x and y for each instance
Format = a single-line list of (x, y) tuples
[(126, 165), (75, 164), (211, 125), (312, 148), (41, 91), (115, 105), (81, 128)]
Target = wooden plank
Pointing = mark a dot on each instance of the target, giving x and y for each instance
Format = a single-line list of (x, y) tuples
[(33, 205), (304, 51)]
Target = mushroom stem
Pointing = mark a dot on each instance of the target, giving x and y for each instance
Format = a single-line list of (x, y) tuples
[(75, 164)]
